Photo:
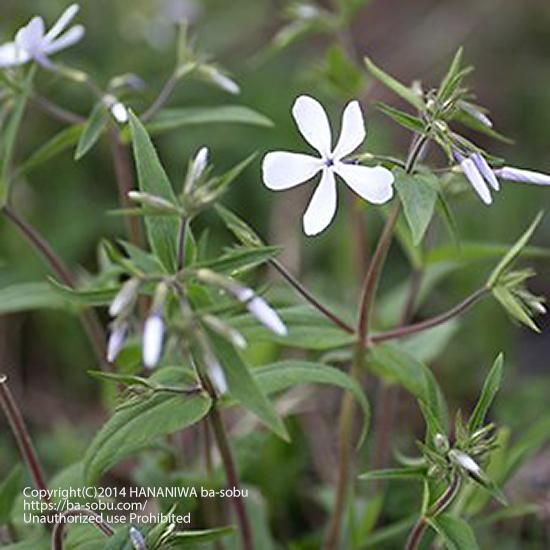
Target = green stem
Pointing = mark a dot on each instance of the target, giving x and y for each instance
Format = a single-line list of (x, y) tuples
[(444, 501)]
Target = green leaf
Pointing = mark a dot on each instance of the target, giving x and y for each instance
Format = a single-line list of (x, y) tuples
[(285, 374), (239, 260), (418, 194), (243, 386), (82, 296), (307, 329), (29, 296), (398, 366), (140, 424), (10, 137), (170, 119), (189, 539), (242, 231), (402, 118), (450, 81), (456, 533), (92, 130), (162, 232), (37, 542), (67, 138), (395, 473), (514, 307), (488, 393), (9, 491), (514, 252), (401, 90)]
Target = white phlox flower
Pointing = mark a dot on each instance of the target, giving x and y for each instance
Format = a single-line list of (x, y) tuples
[(283, 169), (32, 42)]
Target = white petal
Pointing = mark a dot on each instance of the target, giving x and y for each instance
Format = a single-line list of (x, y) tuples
[(312, 121), (199, 163), (486, 170), (120, 113), (282, 170), (72, 36), (527, 176), (475, 178), (61, 24), (116, 341), (153, 335), (322, 206), (352, 133), (374, 184), (31, 36), (12, 55), (266, 315)]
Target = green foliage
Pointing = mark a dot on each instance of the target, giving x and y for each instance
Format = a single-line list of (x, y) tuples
[(142, 421), (456, 532), (94, 127), (29, 296), (487, 396), (418, 194), (244, 388), (10, 489), (161, 232)]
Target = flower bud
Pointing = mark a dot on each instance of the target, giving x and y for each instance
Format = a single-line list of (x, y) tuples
[(137, 539), (260, 309), (116, 341), (153, 336), (153, 201), (441, 443), (125, 297), (466, 462)]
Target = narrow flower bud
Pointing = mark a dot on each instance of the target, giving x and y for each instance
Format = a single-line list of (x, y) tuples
[(215, 76), (116, 341), (199, 162), (526, 176), (466, 462), (234, 336), (475, 178), (476, 113), (441, 443), (153, 336), (125, 297), (137, 539), (120, 113), (152, 201), (217, 376), (485, 170), (260, 309)]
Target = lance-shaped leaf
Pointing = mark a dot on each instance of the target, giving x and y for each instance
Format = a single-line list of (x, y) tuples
[(513, 253), (92, 131), (396, 365), (162, 232), (29, 296), (514, 306), (243, 386), (190, 539), (140, 423), (7, 145), (401, 90), (488, 393), (406, 120), (418, 194), (408, 473), (170, 119), (10, 488), (239, 227), (241, 259), (285, 374), (456, 533)]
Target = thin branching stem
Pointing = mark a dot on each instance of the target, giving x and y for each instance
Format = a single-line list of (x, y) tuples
[(21, 434), (161, 99), (89, 319), (303, 291)]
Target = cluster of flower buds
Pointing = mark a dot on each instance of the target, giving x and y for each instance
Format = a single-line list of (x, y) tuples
[(153, 330)]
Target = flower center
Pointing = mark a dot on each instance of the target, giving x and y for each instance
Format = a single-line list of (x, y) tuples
[(329, 162)]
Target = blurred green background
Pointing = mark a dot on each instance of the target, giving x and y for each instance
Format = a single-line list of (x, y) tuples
[(46, 354)]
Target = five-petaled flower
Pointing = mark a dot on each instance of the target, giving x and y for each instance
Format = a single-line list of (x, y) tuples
[(283, 169), (482, 177), (32, 42)]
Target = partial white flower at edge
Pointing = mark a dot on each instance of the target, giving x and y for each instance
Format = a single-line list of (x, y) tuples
[(283, 170), (32, 42)]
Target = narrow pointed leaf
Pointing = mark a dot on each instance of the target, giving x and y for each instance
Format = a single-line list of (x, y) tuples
[(488, 393), (456, 533), (92, 130)]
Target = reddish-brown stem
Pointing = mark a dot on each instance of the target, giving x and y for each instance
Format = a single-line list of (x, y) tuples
[(303, 291), (222, 442), (89, 319), (21, 434), (438, 507), (59, 529), (409, 330)]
